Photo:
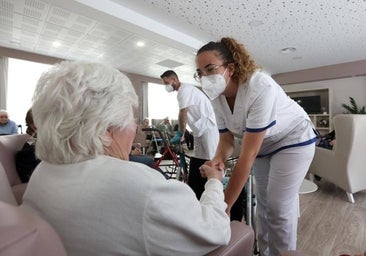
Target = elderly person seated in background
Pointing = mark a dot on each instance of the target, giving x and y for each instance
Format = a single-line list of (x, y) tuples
[(6, 125), (165, 128), (99, 202), (25, 159), (143, 137)]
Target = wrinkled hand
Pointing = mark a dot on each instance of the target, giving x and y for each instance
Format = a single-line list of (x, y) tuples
[(219, 165), (211, 172), (176, 139)]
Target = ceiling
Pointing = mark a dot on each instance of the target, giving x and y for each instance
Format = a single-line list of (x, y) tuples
[(323, 32)]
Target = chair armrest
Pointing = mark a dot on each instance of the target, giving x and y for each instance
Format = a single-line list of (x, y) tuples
[(241, 241), (24, 233), (292, 253)]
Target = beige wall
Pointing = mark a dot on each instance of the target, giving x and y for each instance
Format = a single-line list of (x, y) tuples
[(138, 82), (344, 80), (341, 88), (16, 54)]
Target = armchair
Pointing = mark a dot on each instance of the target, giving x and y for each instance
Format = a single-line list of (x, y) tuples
[(25, 233), (241, 241), (345, 164), (9, 145)]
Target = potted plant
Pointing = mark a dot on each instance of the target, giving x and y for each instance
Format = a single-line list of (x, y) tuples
[(353, 108)]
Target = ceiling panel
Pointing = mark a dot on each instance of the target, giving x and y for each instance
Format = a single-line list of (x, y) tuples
[(323, 32)]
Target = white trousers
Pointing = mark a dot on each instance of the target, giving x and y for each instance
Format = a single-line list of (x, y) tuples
[(277, 182)]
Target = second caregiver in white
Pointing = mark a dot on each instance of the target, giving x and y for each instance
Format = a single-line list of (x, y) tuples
[(195, 110), (277, 138)]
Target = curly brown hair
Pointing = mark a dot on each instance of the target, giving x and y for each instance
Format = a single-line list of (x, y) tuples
[(231, 51)]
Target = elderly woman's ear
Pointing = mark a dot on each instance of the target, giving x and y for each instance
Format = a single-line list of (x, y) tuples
[(119, 141)]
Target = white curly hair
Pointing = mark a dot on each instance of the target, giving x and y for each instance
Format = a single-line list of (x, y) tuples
[(73, 106)]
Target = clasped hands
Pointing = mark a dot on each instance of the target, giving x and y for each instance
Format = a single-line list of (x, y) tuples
[(212, 169)]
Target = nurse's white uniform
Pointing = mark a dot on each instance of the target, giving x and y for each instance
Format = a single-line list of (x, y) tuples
[(284, 157), (201, 119)]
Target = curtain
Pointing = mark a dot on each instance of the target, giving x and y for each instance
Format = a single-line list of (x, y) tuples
[(3, 81), (144, 100)]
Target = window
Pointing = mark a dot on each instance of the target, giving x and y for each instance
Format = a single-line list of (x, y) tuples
[(22, 79), (161, 103)]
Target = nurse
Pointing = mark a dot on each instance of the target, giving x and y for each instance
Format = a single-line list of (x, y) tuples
[(277, 138)]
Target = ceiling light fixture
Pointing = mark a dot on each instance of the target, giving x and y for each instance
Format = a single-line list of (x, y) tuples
[(140, 44), (288, 50), (56, 44)]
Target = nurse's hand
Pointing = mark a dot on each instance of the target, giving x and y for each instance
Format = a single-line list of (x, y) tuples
[(216, 164), (211, 172)]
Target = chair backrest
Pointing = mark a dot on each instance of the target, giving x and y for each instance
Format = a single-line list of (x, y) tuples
[(25, 233), (350, 132), (6, 194), (9, 145)]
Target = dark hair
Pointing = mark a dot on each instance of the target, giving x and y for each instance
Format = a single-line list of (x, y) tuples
[(231, 51), (222, 51), (29, 122), (168, 73)]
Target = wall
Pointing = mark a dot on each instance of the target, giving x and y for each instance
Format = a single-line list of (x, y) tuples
[(139, 81), (341, 89)]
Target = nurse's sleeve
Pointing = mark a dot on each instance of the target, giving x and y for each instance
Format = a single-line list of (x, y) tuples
[(176, 223), (262, 108), (219, 115)]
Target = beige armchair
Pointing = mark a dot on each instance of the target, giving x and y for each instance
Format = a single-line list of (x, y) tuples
[(9, 145), (345, 164)]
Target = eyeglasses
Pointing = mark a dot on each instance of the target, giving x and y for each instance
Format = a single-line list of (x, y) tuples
[(211, 70)]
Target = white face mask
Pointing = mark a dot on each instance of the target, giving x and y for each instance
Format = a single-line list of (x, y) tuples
[(213, 85), (169, 88)]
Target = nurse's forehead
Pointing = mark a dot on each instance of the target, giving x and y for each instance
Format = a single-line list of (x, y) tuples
[(204, 59)]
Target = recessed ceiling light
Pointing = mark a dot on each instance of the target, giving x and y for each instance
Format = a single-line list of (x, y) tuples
[(56, 44), (256, 23), (140, 44), (288, 50)]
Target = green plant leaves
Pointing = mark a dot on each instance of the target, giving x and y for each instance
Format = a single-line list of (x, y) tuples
[(353, 108)]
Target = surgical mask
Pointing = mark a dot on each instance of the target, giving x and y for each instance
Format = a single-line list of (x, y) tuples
[(213, 85), (169, 88)]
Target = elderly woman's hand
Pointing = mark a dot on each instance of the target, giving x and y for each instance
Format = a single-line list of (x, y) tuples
[(218, 165), (211, 172)]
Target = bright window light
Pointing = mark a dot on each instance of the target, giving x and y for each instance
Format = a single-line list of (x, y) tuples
[(161, 103), (22, 79)]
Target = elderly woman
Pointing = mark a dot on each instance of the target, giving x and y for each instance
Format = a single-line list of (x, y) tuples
[(6, 125), (98, 202)]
